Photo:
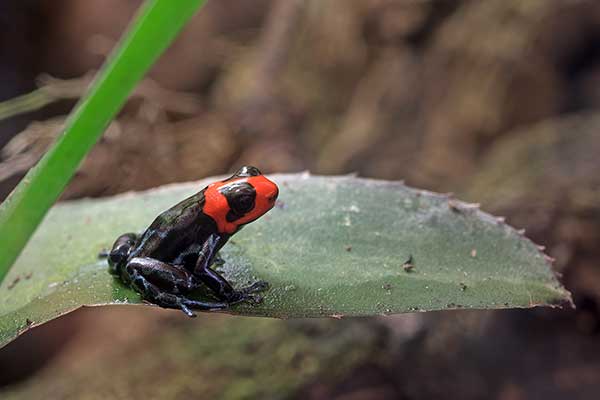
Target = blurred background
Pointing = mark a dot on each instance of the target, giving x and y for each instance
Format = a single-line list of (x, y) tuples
[(497, 101)]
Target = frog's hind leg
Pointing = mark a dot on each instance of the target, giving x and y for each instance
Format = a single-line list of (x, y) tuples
[(162, 284), (119, 253)]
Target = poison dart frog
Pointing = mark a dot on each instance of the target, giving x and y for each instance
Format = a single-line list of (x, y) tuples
[(173, 256)]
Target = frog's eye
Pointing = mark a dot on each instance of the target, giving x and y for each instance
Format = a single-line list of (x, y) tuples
[(240, 199), (243, 203)]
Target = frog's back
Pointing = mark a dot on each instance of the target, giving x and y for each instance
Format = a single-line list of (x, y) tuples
[(176, 230)]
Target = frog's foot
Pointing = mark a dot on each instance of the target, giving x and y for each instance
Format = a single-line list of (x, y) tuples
[(104, 253), (155, 295), (169, 300), (187, 305), (163, 284), (258, 286), (218, 261), (249, 293)]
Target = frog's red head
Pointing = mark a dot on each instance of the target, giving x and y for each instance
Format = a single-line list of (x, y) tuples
[(240, 199)]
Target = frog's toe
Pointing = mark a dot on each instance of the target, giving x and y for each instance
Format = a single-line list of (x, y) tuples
[(201, 305), (259, 286), (255, 298), (187, 311), (247, 298), (218, 261)]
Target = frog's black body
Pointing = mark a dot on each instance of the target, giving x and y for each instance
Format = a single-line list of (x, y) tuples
[(172, 257), (178, 232)]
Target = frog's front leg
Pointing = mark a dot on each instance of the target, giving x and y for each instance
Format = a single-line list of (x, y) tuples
[(219, 285), (163, 284)]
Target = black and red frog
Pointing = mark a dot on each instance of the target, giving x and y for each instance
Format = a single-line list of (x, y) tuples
[(173, 256)]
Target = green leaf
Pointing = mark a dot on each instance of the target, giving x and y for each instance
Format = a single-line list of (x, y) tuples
[(156, 25), (333, 246)]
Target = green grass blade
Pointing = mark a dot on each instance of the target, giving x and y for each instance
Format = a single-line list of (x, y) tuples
[(154, 28)]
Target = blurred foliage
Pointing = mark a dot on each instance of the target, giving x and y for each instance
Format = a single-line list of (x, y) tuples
[(155, 26), (223, 358)]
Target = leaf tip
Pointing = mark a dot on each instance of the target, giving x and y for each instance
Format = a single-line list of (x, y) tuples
[(459, 207), (563, 301)]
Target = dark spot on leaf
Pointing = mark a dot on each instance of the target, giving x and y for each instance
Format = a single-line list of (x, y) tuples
[(408, 265), (348, 248), (454, 206), (14, 282)]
